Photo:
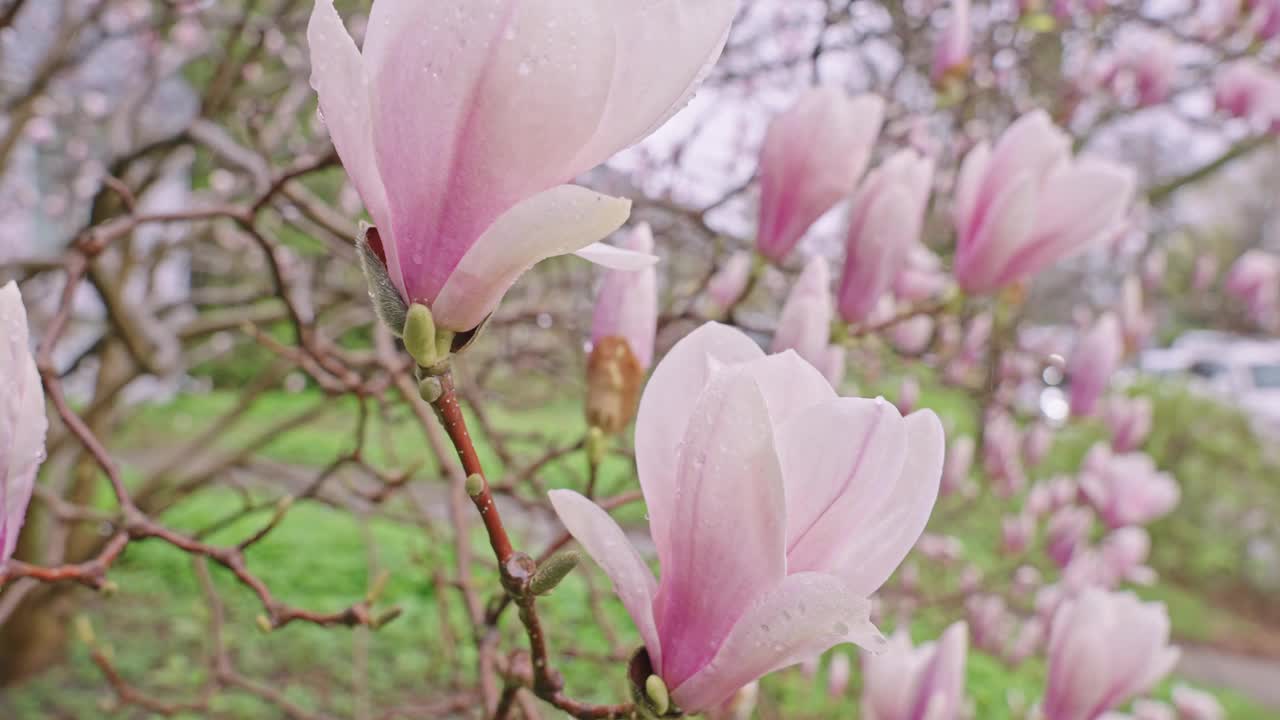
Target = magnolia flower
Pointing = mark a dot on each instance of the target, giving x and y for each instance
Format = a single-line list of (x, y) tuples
[(812, 157), (1129, 420), (1254, 280), (1135, 322), (727, 285), (1147, 63), (1193, 704), (22, 419), (955, 470), (805, 322), (627, 306), (921, 276), (1246, 89), (1016, 532), (1037, 443), (1104, 648), (913, 335), (1204, 272), (908, 395), (1123, 556), (834, 362), (1066, 533), (460, 122), (951, 56), (1028, 204), (776, 508), (1096, 357), (916, 683), (1128, 489), (884, 226), (1002, 454), (838, 674)]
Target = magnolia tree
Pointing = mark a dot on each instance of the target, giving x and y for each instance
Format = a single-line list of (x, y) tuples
[(914, 191)]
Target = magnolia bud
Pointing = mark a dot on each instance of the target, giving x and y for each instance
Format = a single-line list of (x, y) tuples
[(614, 377), (551, 572), (420, 335)]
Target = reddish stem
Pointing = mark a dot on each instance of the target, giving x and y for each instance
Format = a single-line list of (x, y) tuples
[(455, 425)]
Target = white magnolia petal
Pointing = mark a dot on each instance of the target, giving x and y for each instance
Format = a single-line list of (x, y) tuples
[(561, 220)]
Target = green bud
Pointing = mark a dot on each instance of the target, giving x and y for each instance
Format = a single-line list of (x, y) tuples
[(264, 624), (551, 572), (475, 484), (1039, 22), (85, 630), (596, 445), (430, 389), (420, 335), (656, 689)]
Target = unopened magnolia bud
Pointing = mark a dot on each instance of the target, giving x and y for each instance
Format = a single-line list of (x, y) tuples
[(614, 377), (475, 484), (656, 689), (420, 335), (551, 572), (264, 624), (387, 302), (517, 574)]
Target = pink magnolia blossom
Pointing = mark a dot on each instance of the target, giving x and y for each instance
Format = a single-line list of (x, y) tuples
[(916, 683), (1129, 420), (912, 336), (884, 226), (838, 674), (1123, 556), (727, 285), (1135, 321), (1154, 266), (991, 620), (921, 276), (805, 322), (1104, 648), (1066, 533), (834, 363), (1002, 454), (1028, 204), (812, 157), (460, 150), (1246, 89), (1129, 490), (1266, 19), (776, 508), (1193, 704), (1096, 357), (1147, 64), (908, 395), (1016, 532), (1254, 280), (955, 471), (627, 306), (951, 55), (1037, 443), (1204, 272), (22, 419)]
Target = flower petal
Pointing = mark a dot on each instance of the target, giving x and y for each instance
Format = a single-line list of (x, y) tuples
[(728, 528), (1004, 230), (608, 545), (664, 49), (23, 422), (478, 104), (973, 171), (338, 76), (834, 494), (804, 615), (616, 258), (790, 384), (561, 220), (664, 412), (870, 556)]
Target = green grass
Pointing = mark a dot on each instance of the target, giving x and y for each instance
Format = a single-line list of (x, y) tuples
[(324, 560)]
